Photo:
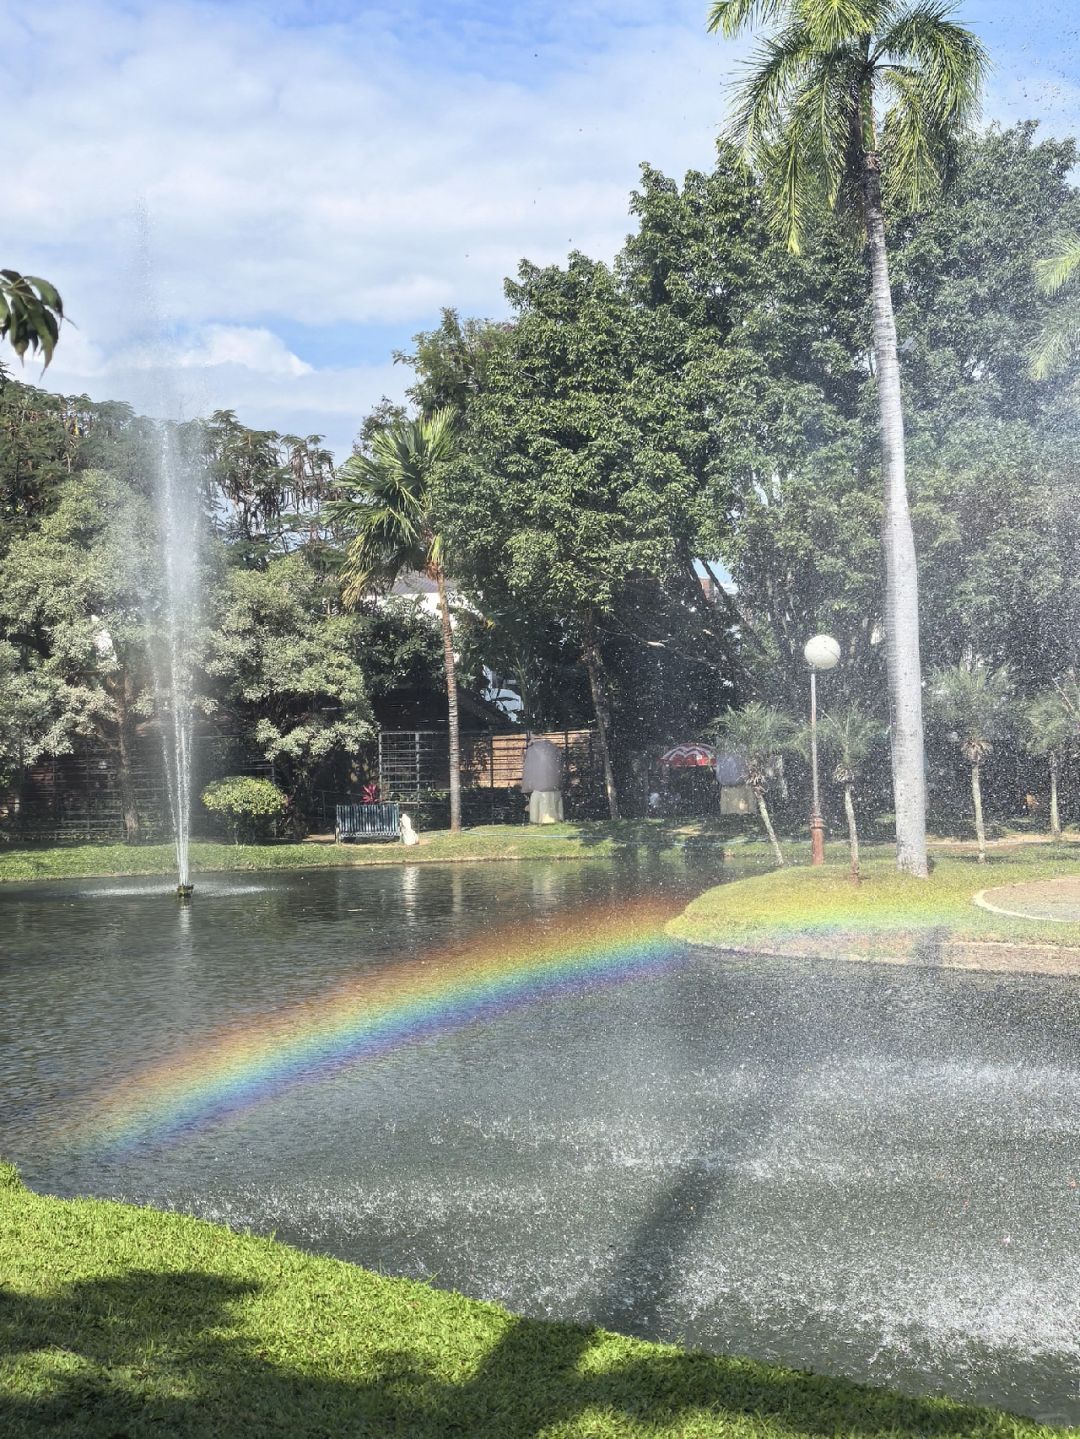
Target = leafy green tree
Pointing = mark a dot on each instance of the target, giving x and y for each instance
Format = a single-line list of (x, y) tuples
[(30, 313), (78, 596), (975, 703), (272, 484), (1052, 731), (400, 645), (759, 735), (247, 804), (34, 720), (847, 736), (581, 470), (856, 106), (452, 362), (386, 512), (280, 659)]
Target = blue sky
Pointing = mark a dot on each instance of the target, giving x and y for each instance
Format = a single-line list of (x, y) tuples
[(313, 181)]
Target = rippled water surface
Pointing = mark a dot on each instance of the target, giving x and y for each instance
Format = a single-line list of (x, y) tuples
[(866, 1170)]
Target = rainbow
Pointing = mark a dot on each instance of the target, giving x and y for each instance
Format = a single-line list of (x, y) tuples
[(416, 998)]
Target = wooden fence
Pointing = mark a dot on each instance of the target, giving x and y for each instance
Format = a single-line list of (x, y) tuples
[(414, 766)]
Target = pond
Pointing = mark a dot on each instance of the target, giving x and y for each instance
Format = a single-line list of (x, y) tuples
[(503, 1078)]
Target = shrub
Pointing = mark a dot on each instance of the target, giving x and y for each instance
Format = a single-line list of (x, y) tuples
[(248, 806)]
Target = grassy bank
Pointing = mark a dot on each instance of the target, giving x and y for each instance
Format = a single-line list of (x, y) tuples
[(584, 840), (123, 1321), (803, 910)]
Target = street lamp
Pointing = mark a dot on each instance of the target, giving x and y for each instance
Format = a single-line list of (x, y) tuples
[(821, 653)]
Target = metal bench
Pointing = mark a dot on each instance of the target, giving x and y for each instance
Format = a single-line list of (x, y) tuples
[(367, 821)]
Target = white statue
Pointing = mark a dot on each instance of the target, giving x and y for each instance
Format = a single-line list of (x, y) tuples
[(408, 834)]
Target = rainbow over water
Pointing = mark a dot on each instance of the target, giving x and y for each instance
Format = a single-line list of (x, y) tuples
[(413, 999)]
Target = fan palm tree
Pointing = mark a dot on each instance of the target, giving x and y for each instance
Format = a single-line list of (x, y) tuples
[(853, 105), (847, 736), (387, 509), (975, 702), (759, 735), (1060, 339), (1053, 732)]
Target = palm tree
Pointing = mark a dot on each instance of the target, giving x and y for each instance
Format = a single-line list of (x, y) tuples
[(847, 736), (1060, 339), (759, 735), (1053, 732), (975, 702), (387, 509), (853, 104)]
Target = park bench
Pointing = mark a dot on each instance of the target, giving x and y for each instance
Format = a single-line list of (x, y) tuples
[(367, 821)]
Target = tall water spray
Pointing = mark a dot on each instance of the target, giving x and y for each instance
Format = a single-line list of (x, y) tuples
[(179, 511), (179, 534)]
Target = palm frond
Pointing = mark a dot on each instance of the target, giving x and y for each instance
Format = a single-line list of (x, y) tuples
[(950, 62), (974, 700), (385, 507), (1057, 268), (914, 144), (1052, 719), (1058, 343), (731, 17), (833, 23), (848, 735), (775, 71), (827, 105), (787, 188), (757, 733)]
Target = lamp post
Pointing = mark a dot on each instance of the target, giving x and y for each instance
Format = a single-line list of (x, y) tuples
[(821, 653)]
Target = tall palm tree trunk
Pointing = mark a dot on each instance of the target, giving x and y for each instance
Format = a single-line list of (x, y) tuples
[(853, 833), (1055, 815), (976, 796), (451, 702), (595, 669), (766, 819), (901, 574)]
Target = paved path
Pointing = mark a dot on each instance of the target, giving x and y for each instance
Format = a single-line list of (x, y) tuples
[(1047, 899)]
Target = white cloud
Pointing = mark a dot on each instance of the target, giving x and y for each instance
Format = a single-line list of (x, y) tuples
[(251, 349), (320, 175), (359, 171)]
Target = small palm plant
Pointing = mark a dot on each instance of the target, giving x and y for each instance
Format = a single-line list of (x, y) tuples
[(847, 736), (974, 701), (1052, 724), (759, 735)]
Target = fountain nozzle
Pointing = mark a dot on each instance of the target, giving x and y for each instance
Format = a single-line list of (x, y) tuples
[(184, 891)]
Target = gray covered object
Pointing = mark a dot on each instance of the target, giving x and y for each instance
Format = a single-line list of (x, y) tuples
[(731, 769), (542, 766)]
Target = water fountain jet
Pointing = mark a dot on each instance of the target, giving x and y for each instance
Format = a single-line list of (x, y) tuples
[(179, 526)]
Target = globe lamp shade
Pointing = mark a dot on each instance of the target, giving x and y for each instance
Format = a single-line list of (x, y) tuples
[(822, 652)]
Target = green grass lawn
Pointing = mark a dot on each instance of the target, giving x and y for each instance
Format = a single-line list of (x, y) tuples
[(798, 906), (117, 1321), (583, 840)]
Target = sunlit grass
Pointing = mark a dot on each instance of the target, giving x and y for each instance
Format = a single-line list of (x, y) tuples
[(123, 1321), (585, 839), (887, 911)]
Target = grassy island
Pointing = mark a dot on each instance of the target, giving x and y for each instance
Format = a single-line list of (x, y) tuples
[(117, 1320), (802, 911)]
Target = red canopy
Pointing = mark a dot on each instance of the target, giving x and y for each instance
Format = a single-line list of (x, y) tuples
[(689, 756)]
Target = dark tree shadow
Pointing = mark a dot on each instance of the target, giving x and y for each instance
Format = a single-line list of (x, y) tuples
[(159, 1354)]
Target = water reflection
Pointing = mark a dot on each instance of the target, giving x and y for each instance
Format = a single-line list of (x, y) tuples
[(869, 1171)]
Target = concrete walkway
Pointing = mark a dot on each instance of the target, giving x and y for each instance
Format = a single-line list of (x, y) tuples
[(1057, 900)]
